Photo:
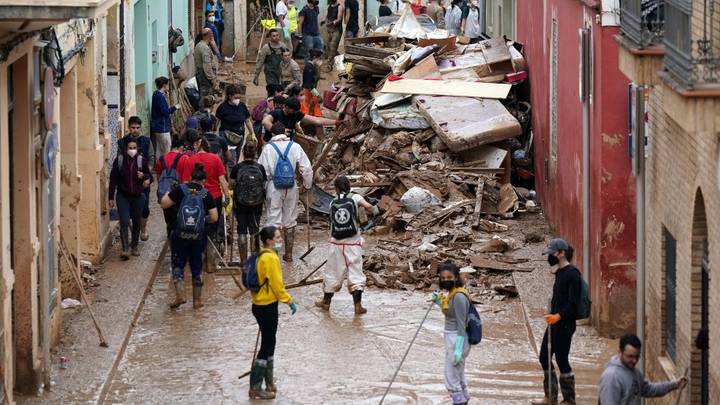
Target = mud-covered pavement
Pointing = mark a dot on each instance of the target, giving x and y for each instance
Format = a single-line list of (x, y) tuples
[(196, 356)]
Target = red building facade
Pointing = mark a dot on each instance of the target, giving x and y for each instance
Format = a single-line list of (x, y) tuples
[(579, 96)]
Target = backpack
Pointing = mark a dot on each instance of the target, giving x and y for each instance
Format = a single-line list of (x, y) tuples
[(249, 190), (250, 274), (343, 217), (121, 160), (584, 305), (474, 328), (284, 173), (190, 223), (168, 176)]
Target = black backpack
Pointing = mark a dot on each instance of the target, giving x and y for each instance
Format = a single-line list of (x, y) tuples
[(343, 217), (249, 190), (215, 145)]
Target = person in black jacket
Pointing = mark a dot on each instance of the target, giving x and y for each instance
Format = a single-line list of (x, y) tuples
[(567, 291)]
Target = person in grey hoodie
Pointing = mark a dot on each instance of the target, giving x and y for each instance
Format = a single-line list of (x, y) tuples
[(622, 384)]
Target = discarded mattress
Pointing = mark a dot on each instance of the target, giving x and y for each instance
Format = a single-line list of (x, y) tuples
[(464, 123)]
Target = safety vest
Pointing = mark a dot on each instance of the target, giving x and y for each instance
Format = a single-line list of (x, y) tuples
[(293, 17)]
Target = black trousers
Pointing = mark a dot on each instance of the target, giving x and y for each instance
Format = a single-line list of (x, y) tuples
[(562, 334), (267, 319)]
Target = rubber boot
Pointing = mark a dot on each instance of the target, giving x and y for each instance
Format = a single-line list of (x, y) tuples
[(289, 235), (210, 259), (550, 386), (243, 248), (143, 229), (134, 251), (197, 295), (257, 374), (324, 303), (179, 294), (269, 379), (357, 300), (567, 386)]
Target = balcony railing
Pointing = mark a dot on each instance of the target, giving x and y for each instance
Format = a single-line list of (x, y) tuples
[(642, 21), (692, 63)]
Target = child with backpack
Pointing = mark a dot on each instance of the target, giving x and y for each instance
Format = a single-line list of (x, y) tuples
[(345, 260), (269, 290), (462, 329), (194, 204), (248, 180), (568, 304), (166, 168), (281, 158)]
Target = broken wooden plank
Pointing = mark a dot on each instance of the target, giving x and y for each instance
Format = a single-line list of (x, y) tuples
[(426, 68), (508, 198), (446, 44), (478, 202), (464, 123), (490, 156), (485, 263), (447, 88)]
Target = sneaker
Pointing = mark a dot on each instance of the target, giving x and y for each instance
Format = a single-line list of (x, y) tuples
[(124, 255), (135, 251), (144, 235)]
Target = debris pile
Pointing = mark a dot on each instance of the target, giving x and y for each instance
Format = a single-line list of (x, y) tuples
[(435, 129)]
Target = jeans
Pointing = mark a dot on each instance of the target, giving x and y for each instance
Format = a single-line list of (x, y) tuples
[(216, 231), (129, 208), (185, 251), (562, 334), (163, 142), (146, 207), (311, 42), (267, 319)]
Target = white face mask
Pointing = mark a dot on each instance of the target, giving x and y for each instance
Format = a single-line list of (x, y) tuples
[(132, 152), (235, 102), (211, 19)]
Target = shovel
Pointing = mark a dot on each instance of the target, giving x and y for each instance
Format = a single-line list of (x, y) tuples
[(307, 216)]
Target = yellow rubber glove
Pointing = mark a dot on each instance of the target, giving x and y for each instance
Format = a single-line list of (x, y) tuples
[(229, 206)]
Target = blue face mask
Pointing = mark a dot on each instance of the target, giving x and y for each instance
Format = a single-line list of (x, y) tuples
[(277, 246)]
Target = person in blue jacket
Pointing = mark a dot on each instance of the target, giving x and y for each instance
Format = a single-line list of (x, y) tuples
[(160, 113)]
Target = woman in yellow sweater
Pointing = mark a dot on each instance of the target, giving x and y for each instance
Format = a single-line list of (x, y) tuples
[(265, 310)]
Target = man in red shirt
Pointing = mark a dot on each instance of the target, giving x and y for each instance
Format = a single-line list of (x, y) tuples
[(217, 186), (165, 183)]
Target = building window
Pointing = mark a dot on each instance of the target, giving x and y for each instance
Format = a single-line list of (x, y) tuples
[(670, 279), (678, 40), (642, 21)]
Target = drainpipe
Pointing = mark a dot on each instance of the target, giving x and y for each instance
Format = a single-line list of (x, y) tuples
[(638, 123), (585, 97), (123, 71)]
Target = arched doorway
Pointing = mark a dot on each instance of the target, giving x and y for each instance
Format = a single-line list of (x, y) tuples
[(700, 374)]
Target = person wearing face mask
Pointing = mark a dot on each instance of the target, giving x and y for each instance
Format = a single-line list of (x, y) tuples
[(265, 310), (210, 23), (474, 23), (129, 177), (234, 119), (454, 301), (187, 246), (345, 259), (146, 150), (567, 290)]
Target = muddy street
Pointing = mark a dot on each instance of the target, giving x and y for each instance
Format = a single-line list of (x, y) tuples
[(196, 356)]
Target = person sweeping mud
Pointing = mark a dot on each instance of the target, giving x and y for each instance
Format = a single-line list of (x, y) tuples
[(281, 158), (567, 291), (456, 306), (194, 203), (265, 310), (346, 250)]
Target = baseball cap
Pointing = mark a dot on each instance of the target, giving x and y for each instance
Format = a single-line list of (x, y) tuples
[(556, 245)]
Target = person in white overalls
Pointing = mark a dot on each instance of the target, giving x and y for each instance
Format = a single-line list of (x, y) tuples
[(345, 260)]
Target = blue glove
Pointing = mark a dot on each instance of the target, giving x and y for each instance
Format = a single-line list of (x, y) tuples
[(436, 298), (293, 308), (459, 346)]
